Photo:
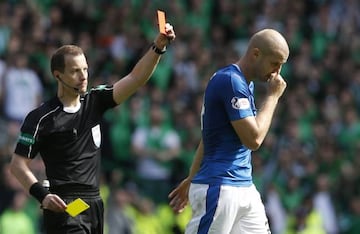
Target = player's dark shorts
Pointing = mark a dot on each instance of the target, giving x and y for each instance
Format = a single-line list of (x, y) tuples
[(90, 221)]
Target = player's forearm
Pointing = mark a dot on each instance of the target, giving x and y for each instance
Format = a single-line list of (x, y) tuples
[(264, 117), (197, 160)]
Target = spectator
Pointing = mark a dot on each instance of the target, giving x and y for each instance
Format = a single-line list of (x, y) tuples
[(155, 146), (118, 220), (324, 41), (324, 204), (22, 88)]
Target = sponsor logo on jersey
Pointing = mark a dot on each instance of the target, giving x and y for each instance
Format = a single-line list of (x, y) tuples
[(240, 103), (100, 87), (26, 139)]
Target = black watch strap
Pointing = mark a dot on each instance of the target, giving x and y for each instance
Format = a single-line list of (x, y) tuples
[(157, 50)]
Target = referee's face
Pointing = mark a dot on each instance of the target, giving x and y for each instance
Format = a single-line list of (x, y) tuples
[(76, 72)]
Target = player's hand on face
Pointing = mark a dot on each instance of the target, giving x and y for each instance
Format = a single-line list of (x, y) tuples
[(54, 203), (163, 40), (277, 85), (179, 196)]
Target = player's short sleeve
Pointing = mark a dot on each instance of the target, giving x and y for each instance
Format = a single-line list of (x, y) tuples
[(237, 98)]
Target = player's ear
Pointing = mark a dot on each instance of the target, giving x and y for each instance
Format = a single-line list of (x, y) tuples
[(256, 52)]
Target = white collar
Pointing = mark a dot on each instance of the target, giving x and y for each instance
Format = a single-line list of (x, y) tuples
[(72, 109)]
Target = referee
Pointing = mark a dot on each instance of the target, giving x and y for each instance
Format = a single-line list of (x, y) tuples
[(66, 132)]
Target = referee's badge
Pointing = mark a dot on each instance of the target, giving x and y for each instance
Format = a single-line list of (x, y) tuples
[(96, 134)]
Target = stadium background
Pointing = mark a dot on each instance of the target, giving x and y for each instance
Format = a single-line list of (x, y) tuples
[(308, 167)]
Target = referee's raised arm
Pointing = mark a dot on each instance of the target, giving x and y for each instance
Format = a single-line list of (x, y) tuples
[(144, 68)]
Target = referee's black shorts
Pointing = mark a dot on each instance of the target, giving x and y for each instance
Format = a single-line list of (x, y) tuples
[(90, 221)]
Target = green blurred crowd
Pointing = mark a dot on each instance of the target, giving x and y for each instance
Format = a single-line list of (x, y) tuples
[(307, 168)]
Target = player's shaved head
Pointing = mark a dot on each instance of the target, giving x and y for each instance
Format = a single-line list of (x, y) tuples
[(269, 41)]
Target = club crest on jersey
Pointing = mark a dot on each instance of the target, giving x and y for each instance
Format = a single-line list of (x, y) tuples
[(240, 103), (96, 134)]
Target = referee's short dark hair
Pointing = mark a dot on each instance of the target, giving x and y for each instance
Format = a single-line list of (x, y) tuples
[(57, 61)]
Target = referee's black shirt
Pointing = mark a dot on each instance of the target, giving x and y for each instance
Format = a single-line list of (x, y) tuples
[(69, 143)]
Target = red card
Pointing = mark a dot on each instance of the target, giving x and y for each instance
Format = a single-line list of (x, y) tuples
[(161, 21)]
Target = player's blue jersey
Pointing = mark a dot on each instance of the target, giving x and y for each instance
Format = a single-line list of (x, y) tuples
[(226, 160)]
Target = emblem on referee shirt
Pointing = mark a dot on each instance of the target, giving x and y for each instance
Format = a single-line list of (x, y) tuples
[(96, 134), (240, 103)]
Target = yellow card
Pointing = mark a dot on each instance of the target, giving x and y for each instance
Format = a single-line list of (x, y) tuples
[(161, 21), (76, 207)]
